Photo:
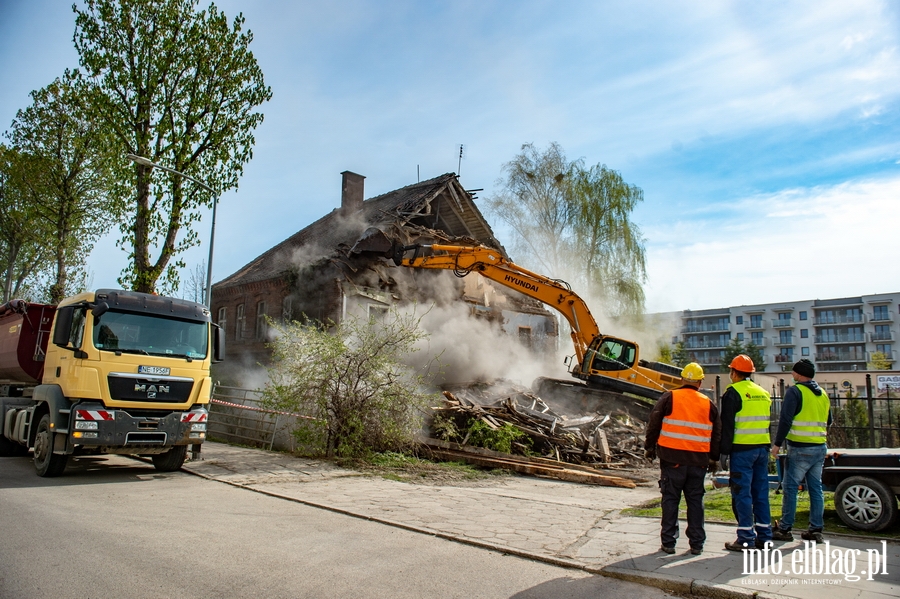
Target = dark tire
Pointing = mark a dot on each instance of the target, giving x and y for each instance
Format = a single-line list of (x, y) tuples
[(865, 503), (47, 463), (172, 460)]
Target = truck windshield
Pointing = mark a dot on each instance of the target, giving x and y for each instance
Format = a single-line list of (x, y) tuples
[(151, 335)]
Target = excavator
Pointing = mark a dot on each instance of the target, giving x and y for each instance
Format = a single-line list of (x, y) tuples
[(605, 364)]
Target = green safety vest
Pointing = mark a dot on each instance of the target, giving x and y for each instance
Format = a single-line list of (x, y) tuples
[(751, 424), (810, 424)]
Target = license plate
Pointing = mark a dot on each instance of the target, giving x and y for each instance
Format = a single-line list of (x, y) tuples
[(153, 370)]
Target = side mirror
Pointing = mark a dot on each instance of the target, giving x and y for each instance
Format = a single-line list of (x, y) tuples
[(62, 331), (218, 344), (100, 309)]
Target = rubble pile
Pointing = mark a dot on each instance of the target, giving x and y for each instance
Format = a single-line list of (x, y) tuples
[(611, 440)]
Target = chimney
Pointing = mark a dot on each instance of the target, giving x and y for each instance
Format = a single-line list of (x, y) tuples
[(351, 193)]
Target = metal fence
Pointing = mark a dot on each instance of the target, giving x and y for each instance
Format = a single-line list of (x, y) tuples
[(236, 416), (858, 422)]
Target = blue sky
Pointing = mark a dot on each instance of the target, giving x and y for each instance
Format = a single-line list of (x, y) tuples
[(764, 134)]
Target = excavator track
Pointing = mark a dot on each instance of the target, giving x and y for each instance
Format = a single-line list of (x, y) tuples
[(581, 398)]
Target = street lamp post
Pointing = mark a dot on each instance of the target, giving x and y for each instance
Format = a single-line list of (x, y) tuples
[(207, 295)]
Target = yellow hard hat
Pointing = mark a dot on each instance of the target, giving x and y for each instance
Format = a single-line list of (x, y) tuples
[(692, 372)]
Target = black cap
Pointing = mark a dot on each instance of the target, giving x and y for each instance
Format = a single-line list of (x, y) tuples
[(805, 368)]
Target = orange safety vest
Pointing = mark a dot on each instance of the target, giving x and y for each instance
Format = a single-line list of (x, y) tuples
[(688, 427)]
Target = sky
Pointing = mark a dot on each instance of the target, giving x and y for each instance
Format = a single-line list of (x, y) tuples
[(765, 135)]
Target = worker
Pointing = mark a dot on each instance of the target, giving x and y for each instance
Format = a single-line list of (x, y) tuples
[(746, 416), (805, 416), (684, 430)]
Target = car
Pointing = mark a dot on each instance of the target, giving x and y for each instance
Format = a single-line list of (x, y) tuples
[(866, 483)]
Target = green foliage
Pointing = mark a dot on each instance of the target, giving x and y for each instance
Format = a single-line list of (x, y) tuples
[(180, 87), (574, 221), (853, 418), (349, 378), (69, 179), (497, 439), (664, 354), (879, 361), (749, 348), (680, 355)]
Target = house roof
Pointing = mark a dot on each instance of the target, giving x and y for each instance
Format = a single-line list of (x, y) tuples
[(440, 204)]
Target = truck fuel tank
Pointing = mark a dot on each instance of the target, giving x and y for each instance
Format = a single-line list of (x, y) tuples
[(24, 333)]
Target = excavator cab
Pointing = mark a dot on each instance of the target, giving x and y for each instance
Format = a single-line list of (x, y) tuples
[(609, 353)]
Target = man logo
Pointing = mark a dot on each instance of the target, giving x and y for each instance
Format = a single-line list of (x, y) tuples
[(152, 390)]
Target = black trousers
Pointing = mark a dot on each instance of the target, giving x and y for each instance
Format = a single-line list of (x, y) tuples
[(675, 480)]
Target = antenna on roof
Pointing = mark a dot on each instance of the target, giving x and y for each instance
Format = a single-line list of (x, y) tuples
[(418, 177), (459, 165)]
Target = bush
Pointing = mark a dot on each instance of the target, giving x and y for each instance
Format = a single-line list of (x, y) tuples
[(351, 383)]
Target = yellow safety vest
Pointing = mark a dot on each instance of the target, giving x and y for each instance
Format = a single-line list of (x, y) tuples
[(751, 424), (810, 424)]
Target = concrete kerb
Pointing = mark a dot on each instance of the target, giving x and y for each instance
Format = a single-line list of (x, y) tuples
[(672, 583)]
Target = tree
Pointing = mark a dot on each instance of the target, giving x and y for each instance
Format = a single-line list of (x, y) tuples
[(573, 221), (181, 88), (23, 246), (879, 361), (680, 356), (750, 349), (195, 285), (350, 381), (70, 179)]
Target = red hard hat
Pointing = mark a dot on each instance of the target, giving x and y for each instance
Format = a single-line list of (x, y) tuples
[(742, 363)]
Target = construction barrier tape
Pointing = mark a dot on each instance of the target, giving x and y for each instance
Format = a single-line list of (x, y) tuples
[(255, 409)]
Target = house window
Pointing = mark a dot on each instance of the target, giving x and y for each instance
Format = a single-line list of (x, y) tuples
[(757, 339), (261, 324), (756, 321), (784, 316), (377, 313), (287, 313), (525, 337), (785, 337), (804, 351), (803, 315), (738, 320), (740, 336), (239, 322), (880, 313), (804, 333), (221, 318)]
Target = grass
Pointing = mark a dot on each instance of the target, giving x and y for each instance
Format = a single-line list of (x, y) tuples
[(717, 503), (410, 469)]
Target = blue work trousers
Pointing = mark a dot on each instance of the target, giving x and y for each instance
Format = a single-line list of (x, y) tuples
[(803, 463), (749, 485)]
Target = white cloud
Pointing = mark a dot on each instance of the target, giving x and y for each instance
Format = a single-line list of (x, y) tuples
[(821, 242)]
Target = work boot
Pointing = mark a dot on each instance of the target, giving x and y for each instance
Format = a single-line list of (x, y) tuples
[(696, 550), (813, 535), (782, 535), (669, 550), (737, 546)]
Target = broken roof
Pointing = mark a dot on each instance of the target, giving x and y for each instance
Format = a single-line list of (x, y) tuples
[(440, 204)]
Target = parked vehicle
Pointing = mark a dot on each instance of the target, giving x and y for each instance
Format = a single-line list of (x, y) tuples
[(866, 484), (126, 373)]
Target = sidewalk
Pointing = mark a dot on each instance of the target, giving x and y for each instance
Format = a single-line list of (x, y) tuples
[(567, 524)]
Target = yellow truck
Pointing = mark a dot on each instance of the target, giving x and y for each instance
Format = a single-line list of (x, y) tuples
[(105, 372)]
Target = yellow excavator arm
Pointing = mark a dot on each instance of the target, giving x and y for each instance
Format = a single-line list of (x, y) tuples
[(606, 362)]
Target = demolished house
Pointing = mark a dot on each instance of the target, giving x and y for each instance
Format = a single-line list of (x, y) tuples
[(332, 268)]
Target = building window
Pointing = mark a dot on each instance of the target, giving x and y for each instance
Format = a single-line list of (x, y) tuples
[(525, 337), (783, 316), (221, 318), (239, 322), (804, 351), (738, 320), (756, 321), (880, 313), (287, 313), (756, 339), (785, 337), (377, 313), (804, 333), (261, 324), (740, 336)]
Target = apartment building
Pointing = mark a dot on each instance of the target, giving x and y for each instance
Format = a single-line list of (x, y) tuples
[(837, 334)]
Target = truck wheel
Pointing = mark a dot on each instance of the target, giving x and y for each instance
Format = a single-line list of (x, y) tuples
[(46, 462), (865, 503), (172, 460)]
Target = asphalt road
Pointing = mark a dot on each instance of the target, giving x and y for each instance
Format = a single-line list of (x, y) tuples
[(113, 527)]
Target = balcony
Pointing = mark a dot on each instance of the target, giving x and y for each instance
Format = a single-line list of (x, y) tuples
[(784, 341), (822, 321), (881, 317), (705, 344), (758, 342), (845, 338), (755, 325), (841, 356), (783, 323), (783, 358), (881, 337), (705, 327)]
